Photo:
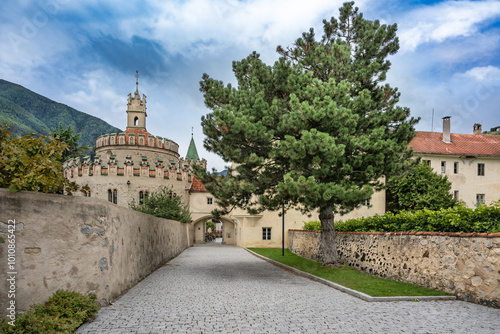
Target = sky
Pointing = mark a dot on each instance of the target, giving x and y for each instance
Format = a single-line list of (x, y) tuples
[(85, 54)]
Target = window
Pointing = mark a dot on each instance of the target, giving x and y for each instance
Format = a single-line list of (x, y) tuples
[(480, 199), (115, 196), (209, 200), (266, 233), (110, 195), (428, 162), (455, 195), (368, 202), (142, 196), (136, 121), (480, 169), (443, 167), (87, 193), (455, 168)]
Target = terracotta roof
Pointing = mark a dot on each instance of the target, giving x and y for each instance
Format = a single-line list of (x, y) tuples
[(461, 144), (196, 186)]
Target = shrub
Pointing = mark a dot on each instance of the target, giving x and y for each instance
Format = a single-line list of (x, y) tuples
[(164, 204), (312, 226), (483, 219), (64, 312), (32, 163)]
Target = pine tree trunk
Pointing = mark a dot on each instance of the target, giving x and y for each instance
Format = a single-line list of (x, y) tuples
[(328, 242)]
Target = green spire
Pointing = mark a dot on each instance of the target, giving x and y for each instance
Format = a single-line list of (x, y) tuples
[(192, 153)]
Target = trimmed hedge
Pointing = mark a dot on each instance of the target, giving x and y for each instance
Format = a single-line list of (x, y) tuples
[(483, 219), (312, 226)]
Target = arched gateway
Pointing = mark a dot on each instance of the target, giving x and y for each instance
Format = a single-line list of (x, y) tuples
[(225, 228)]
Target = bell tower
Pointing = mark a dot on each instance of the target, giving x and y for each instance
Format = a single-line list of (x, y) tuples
[(136, 108)]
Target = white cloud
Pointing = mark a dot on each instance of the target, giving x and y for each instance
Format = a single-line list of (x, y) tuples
[(97, 97), (220, 24), (443, 21), (483, 74)]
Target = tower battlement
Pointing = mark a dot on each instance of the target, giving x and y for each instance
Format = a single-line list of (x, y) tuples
[(180, 170), (136, 138)]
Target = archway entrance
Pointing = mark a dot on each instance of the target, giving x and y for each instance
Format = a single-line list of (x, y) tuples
[(217, 231)]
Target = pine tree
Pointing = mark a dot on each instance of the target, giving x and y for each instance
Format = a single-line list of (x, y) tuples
[(317, 130), (68, 136)]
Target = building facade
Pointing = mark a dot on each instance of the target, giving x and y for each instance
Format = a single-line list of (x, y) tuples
[(470, 161), (265, 229)]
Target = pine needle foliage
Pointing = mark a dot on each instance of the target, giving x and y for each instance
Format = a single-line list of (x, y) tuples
[(317, 130)]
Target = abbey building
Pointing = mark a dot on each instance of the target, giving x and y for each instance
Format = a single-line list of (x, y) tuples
[(129, 165), (132, 164)]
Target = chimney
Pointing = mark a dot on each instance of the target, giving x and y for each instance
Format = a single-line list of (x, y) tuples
[(477, 129), (446, 129)]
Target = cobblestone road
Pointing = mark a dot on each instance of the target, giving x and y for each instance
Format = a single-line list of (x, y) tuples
[(225, 289)]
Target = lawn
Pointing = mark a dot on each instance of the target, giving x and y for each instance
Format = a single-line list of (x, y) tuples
[(349, 277)]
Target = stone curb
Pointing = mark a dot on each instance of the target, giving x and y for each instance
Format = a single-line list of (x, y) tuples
[(354, 293)]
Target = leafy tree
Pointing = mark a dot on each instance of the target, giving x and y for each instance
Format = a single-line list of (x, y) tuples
[(211, 225), (163, 204), (68, 136), (418, 187), (316, 130), (32, 163)]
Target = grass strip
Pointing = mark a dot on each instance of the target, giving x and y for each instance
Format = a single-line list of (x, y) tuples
[(349, 277)]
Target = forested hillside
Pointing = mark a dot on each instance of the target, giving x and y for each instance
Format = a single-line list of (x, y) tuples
[(28, 111)]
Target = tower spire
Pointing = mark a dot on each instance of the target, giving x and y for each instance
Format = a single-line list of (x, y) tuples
[(136, 108), (137, 81)]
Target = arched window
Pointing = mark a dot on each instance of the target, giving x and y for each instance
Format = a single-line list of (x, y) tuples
[(136, 121), (115, 196), (141, 197), (110, 195)]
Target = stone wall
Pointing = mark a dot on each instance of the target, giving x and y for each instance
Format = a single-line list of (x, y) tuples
[(81, 244), (465, 264)]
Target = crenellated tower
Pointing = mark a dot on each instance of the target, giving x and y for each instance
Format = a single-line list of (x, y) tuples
[(136, 108), (131, 164)]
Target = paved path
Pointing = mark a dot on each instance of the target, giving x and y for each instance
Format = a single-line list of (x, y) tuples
[(224, 289)]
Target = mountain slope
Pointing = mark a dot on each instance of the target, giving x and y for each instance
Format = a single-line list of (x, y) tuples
[(30, 112)]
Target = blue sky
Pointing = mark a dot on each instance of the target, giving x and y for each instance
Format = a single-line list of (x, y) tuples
[(85, 54)]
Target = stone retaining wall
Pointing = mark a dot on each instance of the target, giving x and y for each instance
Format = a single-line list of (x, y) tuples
[(81, 244), (465, 264)]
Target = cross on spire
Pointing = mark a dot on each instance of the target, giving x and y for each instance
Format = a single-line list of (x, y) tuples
[(137, 81)]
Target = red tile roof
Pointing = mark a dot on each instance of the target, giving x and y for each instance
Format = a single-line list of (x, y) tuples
[(461, 144), (196, 186)]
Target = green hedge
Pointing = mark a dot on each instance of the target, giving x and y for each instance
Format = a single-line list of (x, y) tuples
[(314, 225), (483, 219)]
